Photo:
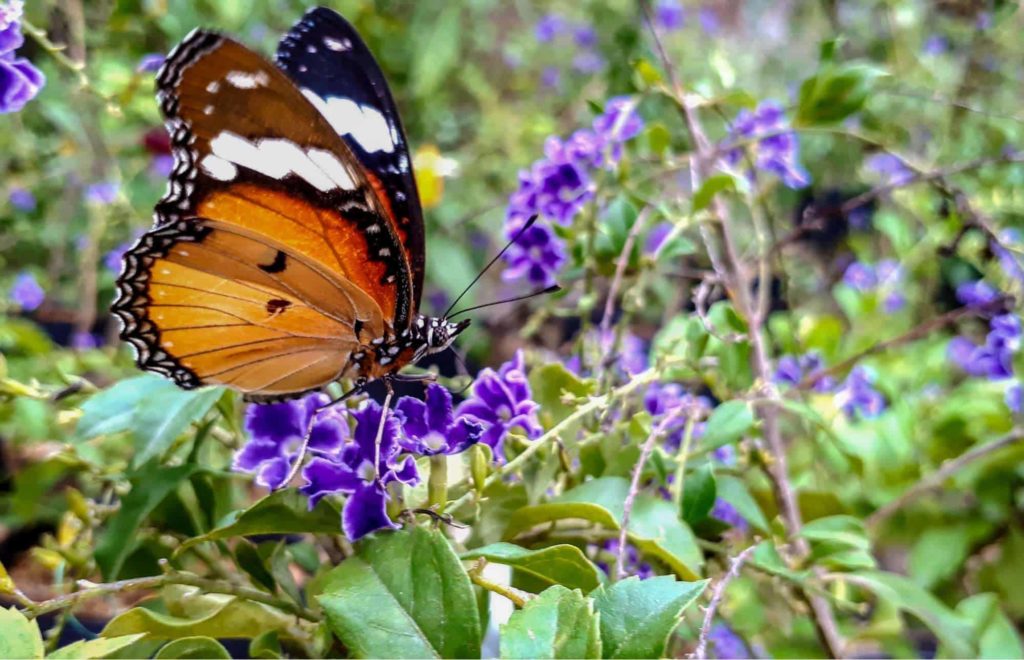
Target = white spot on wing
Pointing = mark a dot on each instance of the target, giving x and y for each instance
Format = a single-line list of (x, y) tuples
[(278, 158), (333, 167), (245, 80), (364, 123), (213, 87), (219, 168), (336, 45)]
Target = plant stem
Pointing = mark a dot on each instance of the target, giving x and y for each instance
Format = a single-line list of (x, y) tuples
[(716, 599), (437, 484), (518, 597), (684, 455)]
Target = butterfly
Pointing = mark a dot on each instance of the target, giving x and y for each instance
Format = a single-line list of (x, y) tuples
[(288, 250)]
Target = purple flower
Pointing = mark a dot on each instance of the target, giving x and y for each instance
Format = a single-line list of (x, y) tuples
[(891, 168), (112, 260), (657, 236), (727, 644), (777, 152), (588, 62), (994, 358), (728, 514), (276, 431), (352, 469), (551, 77), (431, 428), (631, 564), (633, 354), (502, 400), (857, 395), (150, 63), (10, 25), (792, 370), (726, 455), (585, 36), (976, 294), (894, 302), (936, 44), (161, 166), (26, 292), (672, 399), (984, 21), (669, 15), (1013, 397), (549, 27), (536, 257), (1008, 261), (102, 193), (860, 276), (23, 200), (84, 341), (619, 122), (20, 81), (709, 21)]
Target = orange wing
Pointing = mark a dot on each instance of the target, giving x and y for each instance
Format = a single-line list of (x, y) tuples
[(274, 263)]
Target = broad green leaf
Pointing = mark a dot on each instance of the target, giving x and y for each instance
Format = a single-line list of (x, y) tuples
[(7, 585), (938, 553), (266, 645), (844, 530), (558, 564), (403, 594), (19, 637), (996, 634), (164, 414), (727, 423), (438, 54), (193, 647), (735, 492), (559, 623), (216, 615), (111, 410), (654, 527), (248, 558), (953, 631), (699, 492), (549, 383), (282, 512), (100, 647), (637, 616), (711, 187), (149, 487), (835, 92)]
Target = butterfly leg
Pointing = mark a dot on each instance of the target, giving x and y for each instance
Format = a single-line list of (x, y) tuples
[(380, 427), (297, 465)]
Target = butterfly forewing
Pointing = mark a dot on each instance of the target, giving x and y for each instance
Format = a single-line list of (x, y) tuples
[(333, 67), (274, 257)]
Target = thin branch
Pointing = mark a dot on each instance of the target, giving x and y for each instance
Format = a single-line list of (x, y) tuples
[(937, 478), (620, 270), (634, 485), (716, 600), (476, 576)]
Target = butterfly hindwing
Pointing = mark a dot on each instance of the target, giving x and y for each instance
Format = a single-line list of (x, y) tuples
[(328, 60)]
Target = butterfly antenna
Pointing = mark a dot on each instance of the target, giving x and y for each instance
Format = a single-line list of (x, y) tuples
[(518, 235), (539, 292)]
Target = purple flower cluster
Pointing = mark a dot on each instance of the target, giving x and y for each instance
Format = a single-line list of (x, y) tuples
[(1010, 263), (150, 63), (500, 401), (559, 185), (728, 514), (26, 292), (661, 400), (890, 168), (792, 370), (23, 200), (348, 461), (884, 278), (776, 150), (994, 358), (669, 15), (631, 562), (20, 81), (857, 395), (727, 644), (102, 193), (586, 61), (978, 293)]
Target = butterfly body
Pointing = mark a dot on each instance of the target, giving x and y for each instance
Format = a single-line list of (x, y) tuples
[(288, 250)]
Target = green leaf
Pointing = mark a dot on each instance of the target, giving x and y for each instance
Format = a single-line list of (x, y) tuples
[(111, 410), (549, 383), (711, 187), (735, 492), (439, 53), (193, 647), (997, 636), (100, 647), (150, 486), (266, 645), (248, 558), (727, 423), (699, 492), (843, 530), (953, 631), (637, 616), (654, 527), (835, 92), (20, 637), (282, 512), (403, 594), (212, 615), (558, 564), (164, 414), (559, 623)]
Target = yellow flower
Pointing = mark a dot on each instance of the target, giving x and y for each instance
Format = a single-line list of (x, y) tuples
[(431, 169)]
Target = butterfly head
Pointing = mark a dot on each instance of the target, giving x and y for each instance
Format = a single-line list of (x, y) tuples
[(435, 334)]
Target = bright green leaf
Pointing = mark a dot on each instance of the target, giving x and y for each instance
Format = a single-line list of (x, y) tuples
[(559, 623), (215, 615), (996, 634), (835, 92), (438, 54), (164, 414), (844, 530), (19, 637), (735, 492), (637, 616), (699, 492), (193, 647), (551, 382), (727, 423), (558, 564), (403, 594), (111, 410), (711, 187), (100, 647)]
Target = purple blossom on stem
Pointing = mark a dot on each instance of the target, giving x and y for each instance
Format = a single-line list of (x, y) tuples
[(727, 644), (669, 15), (709, 21), (150, 63), (22, 199), (892, 169), (631, 564), (858, 396), (161, 166), (353, 471), (501, 400), (792, 370), (102, 193), (585, 36), (994, 358), (276, 431), (778, 150), (430, 427), (551, 77), (976, 294), (84, 341), (673, 399), (549, 27), (537, 256), (588, 62), (936, 44), (20, 81), (1014, 399), (26, 292), (1008, 261), (728, 514)]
